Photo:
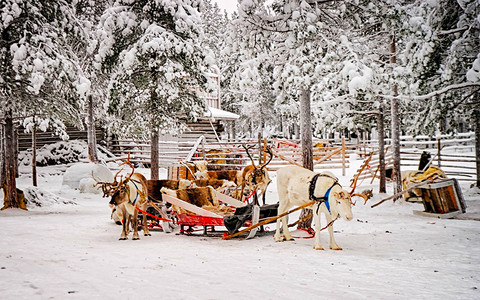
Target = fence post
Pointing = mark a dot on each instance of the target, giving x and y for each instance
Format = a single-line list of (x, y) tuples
[(203, 150), (259, 148), (343, 156), (439, 148)]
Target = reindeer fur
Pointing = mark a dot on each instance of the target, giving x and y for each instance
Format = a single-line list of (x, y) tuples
[(293, 185)]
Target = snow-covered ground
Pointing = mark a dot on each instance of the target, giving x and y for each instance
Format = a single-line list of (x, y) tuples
[(63, 251)]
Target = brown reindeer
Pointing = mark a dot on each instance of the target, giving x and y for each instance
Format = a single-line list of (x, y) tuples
[(127, 194), (256, 177)]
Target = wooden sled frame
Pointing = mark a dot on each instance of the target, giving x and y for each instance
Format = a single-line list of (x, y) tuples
[(201, 217)]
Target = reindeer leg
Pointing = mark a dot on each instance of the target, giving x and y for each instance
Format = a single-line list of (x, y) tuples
[(135, 226), (125, 224), (333, 243), (278, 237), (146, 231), (286, 233), (316, 215)]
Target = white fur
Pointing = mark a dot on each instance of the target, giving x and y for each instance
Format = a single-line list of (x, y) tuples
[(293, 185)]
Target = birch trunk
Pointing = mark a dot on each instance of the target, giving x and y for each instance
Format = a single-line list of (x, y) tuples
[(306, 129), (307, 150), (476, 115), (91, 137), (381, 149), (395, 126), (154, 156)]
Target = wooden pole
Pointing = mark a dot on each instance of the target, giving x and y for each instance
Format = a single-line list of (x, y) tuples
[(204, 154), (271, 219), (397, 195), (343, 156), (439, 148), (259, 147)]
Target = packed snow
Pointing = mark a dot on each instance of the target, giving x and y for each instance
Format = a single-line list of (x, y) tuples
[(68, 247)]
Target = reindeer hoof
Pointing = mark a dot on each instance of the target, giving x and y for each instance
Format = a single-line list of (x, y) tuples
[(122, 239), (135, 238), (336, 248), (318, 248), (147, 234)]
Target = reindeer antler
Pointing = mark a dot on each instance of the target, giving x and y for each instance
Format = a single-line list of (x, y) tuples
[(127, 162), (248, 152), (269, 151), (110, 188)]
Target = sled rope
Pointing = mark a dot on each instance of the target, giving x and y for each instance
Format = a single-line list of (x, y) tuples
[(249, 196), (144, 212), (271, 219)]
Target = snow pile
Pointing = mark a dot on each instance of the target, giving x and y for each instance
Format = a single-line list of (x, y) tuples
[(79, 176), (62, 152), (473, 74), (37, 197)]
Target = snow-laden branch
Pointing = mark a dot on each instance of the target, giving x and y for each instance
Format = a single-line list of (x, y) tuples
[(435, 93), (452, 31)]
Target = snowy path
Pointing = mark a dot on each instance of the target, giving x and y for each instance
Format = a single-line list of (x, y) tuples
[(72, 251)]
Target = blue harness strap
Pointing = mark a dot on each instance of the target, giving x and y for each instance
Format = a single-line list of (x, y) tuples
[(136, 196), (323, 199), (327, 194)]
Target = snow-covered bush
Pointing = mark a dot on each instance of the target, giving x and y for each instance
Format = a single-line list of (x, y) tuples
[(58, 153), (37, 197)]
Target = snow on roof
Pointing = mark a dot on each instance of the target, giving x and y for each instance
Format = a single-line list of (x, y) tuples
[(221, 114)]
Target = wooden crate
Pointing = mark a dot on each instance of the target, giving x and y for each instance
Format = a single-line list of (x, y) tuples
[(442, 199), (182, 172)]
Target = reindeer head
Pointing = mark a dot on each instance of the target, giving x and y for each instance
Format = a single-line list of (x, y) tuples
[(257, 175), (109, 189)]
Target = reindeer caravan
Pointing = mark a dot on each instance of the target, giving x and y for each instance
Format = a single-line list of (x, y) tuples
[(203, 202)]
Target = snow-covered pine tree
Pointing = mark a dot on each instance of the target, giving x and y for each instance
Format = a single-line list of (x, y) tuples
[(37, 74), (153, 51), (440, 53), (92, 81)]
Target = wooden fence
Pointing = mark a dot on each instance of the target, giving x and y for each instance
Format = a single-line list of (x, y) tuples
[(232, 155), (445, 150)]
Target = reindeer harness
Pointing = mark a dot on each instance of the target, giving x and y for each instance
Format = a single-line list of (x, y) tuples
[(324, 199), (136, 196)]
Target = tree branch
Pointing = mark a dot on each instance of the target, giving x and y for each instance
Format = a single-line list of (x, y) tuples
[(435, 93)]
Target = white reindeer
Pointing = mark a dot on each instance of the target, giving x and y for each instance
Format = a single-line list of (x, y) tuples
[(297, 186)]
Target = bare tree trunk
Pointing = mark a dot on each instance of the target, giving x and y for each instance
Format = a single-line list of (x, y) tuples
[(154, 155), (476, 115), (91, 137), (307, 149), (2, 156), (15, 151), (381, 149), (395, 126), (10, 187), (306, 129), (34, 153)]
